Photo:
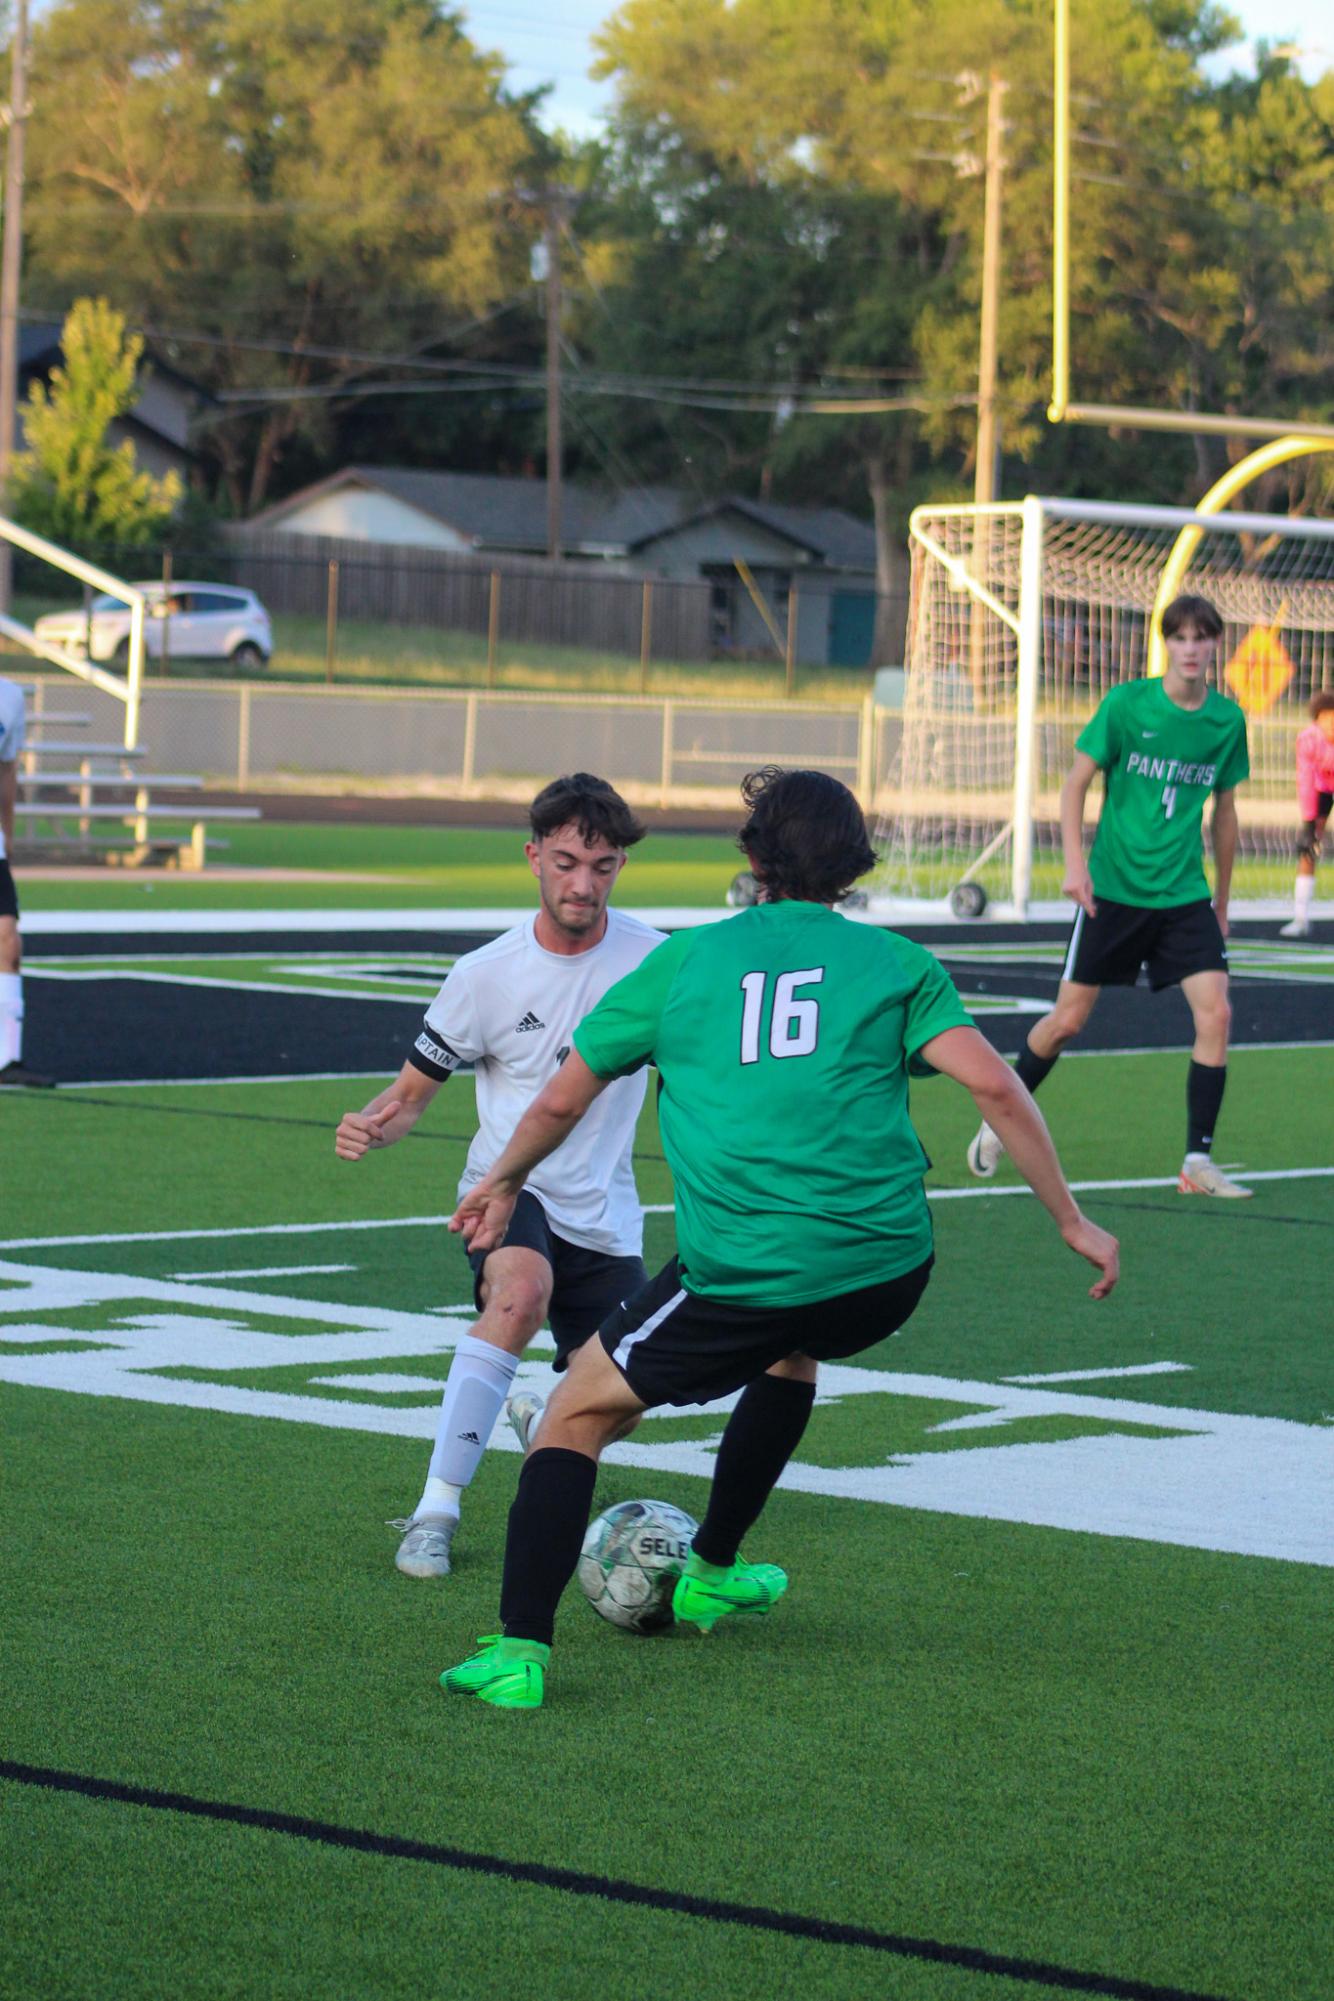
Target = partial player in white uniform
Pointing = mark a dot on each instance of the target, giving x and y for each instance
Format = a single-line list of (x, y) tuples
[(13, 1070), (509, 1010)]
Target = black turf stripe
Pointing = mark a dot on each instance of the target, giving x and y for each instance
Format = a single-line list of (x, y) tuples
[(576, 1883)]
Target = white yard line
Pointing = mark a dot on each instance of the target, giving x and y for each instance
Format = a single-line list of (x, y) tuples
[(420, 917), (35, 970), (1179, 1049), (245, 1230), (1099, 1375), (148, 923), (260, 1271), (207, 1083), (650, 1209), (1149, 1181)]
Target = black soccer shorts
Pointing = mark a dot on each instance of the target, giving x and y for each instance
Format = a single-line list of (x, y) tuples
[(677, 1347), (585, 1285), (1109, 949), (9, 896), (1311, 834)]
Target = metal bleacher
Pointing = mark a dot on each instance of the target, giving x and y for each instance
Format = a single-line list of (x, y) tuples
[(85, 801)]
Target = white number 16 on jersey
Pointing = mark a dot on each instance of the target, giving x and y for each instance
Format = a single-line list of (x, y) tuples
[(794, 1027)]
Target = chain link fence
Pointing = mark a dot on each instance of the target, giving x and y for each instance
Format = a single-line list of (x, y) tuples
[(472, 744)]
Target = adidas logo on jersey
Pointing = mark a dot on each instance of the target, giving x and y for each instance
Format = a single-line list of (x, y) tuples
[(530, 1021)]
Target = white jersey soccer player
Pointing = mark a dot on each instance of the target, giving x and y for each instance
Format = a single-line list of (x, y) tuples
[(509, 1011), (13, 1070)]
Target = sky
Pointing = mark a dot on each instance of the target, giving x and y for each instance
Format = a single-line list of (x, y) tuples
[(551, 45)]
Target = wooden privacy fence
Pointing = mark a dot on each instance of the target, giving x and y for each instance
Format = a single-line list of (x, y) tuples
[(552, 604)]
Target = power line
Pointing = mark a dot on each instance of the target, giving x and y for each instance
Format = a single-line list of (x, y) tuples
[(493, 373), (782, 402)]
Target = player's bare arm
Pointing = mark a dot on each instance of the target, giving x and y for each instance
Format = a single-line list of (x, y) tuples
[(389, 1116), (1224, 831), (483, 1214), (1078, 884), (1009, 1109)]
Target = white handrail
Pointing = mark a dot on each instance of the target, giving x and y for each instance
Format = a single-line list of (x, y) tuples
[(130, 690)]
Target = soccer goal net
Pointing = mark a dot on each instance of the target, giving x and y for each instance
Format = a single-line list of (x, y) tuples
[(1022, 616)]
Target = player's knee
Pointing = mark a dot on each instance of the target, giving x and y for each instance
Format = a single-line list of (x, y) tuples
[(518, 1307), (11, 952), (1307, 844), (1213, 1018), (1067, 1020)]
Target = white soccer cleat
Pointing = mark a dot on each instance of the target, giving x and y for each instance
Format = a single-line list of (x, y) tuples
[(1300, 927), (524, 1412), (984, 1153), (1202, 1176), (424, 1550)]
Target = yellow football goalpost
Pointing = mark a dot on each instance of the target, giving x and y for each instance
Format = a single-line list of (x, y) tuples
[(1061, 410), (1284, 443)]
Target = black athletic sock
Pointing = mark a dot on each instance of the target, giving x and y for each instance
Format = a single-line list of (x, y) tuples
[(762, 1434), (547, 1521), (1204, 1100), (1031, 1068)]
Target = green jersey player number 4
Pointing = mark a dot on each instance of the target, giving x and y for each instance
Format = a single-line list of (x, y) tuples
[(1165, 749)]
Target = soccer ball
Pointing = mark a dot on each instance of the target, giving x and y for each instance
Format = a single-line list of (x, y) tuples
[(631, 1559)]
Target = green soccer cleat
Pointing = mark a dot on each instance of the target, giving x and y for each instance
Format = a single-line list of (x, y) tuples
[(506, 1673), (706, 1593)]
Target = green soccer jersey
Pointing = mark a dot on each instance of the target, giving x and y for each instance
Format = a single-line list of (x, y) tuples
[(1161, 764), (784, 1038)]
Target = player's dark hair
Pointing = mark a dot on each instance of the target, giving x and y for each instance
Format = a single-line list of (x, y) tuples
[(1323, 699), (1198, 612), (588, 803), (806, 835)]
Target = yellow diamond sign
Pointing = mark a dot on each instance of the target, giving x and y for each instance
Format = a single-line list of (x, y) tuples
[(1259, 670)]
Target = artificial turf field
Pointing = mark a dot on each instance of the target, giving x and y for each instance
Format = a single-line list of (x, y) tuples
[(1045, 1709)]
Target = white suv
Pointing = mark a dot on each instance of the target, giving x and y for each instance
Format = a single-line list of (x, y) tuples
[(191, 622)]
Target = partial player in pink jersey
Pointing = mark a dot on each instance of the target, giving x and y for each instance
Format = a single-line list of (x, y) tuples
[(1315, 796)]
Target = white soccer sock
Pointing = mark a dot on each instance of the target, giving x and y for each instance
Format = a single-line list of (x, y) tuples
[(1303, 892), (479, 1381), (11, 1018)]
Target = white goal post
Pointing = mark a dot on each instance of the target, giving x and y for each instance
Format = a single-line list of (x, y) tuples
[(1022, 616)]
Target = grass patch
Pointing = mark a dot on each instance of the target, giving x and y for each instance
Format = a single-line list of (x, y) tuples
[(1100, 1751)]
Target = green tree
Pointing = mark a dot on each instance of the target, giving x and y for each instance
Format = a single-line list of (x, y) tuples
[(1201, 248), (72, 484), (292, 190)]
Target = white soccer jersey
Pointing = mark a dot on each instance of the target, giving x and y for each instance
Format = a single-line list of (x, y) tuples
[(511, 1009), (11, 731)]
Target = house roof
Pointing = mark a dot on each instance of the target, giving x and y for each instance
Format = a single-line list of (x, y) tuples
[(512, 513), (501, 513), (39, 349)]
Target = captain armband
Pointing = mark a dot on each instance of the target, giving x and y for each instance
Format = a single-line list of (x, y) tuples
[(434, 1058)]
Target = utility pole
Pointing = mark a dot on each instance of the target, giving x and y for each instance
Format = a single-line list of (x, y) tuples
[(555, 219), (11, 259), (984, 468), (984, 473)]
